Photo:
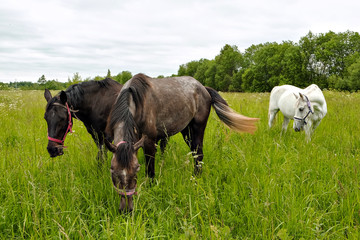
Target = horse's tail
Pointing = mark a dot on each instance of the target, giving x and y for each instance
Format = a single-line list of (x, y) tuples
[(228, 116)]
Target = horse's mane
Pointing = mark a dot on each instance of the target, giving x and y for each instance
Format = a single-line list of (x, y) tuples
[(120, 112), (75, 92)]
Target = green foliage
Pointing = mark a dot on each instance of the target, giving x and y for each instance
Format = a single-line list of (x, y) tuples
[(4, 86), (74, 80), (123, 77), (262, 186), (189, 69), (228, 63), (354, 75), (320, 59), (108, 75), (99, 78), (42, 79)]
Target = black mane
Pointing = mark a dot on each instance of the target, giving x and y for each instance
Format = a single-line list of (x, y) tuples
[(75, 93), (121, 113)]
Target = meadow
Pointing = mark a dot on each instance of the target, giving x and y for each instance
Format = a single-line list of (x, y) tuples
[(262, 186)]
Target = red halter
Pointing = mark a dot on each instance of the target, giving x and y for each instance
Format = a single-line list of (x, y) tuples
[(69, 128)]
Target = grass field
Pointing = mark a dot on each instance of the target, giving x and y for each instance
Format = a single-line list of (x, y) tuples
[(261, 186)]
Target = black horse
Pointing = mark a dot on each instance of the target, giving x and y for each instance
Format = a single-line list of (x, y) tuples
[(89, 102)]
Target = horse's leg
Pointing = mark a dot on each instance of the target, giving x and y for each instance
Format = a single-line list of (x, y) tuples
[(316, 124), (285, 124), (149, 151), (163, 143), (272, 114), (197, 147), (102, 150), (309, 129), (194, 136), (187, 136)]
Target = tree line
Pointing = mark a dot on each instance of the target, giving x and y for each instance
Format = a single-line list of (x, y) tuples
[(330, 60), (42, 83)]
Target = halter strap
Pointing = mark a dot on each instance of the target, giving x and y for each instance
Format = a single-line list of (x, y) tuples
[(128, 193), (119, 143), (69, 128), (308, 104)]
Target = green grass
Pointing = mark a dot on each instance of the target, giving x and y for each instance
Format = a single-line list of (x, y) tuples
[(263, 186)]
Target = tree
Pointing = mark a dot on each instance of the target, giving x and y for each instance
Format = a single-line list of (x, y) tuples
[(329, 54), (123, 77), (108, 75), (188, 69), (201, 70), (228, 63), (42, 79), (354, 75), (210, 74), (74, 80)]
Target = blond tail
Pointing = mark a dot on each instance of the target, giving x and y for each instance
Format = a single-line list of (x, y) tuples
[(228, 116)]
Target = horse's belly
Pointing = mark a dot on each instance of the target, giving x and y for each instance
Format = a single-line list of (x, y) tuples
[(173, 123)]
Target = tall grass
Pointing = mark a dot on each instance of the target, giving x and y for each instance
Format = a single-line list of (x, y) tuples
[(263, 186)]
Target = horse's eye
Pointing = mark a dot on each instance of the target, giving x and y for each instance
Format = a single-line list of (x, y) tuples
[(301, 109)]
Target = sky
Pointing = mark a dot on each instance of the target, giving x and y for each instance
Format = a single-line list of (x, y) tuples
[(58, 38)]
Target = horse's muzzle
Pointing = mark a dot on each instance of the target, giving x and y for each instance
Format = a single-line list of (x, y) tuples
[(55, 151), (126, 204)]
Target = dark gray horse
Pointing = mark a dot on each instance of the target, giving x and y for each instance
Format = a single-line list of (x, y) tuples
[(148, 110)]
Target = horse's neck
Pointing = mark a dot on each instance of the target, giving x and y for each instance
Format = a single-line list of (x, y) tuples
[(119, 132), (77, 104)]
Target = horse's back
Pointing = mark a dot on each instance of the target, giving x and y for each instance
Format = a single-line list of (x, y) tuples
[(282, 98), (314, 92), (176, 101), (185, 84), (316, 97)]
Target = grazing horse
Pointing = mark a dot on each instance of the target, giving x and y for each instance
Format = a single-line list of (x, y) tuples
[(148, 110), (306, 106), (89, 102)]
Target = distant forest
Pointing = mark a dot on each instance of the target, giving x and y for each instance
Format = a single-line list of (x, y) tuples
[(330, 60)]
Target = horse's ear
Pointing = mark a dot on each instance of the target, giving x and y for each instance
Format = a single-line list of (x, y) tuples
[(110, 146), (47, 95), (139, 143), (63, 97), (296, 96), (302, 96)]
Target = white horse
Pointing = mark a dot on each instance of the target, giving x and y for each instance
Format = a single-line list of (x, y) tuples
[(306, 106)]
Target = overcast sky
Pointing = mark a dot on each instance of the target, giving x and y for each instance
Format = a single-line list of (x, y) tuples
[(58, 38)]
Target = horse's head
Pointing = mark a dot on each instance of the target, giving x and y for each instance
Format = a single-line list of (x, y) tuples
[(58, 118), (302, 111), (124, 168)]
